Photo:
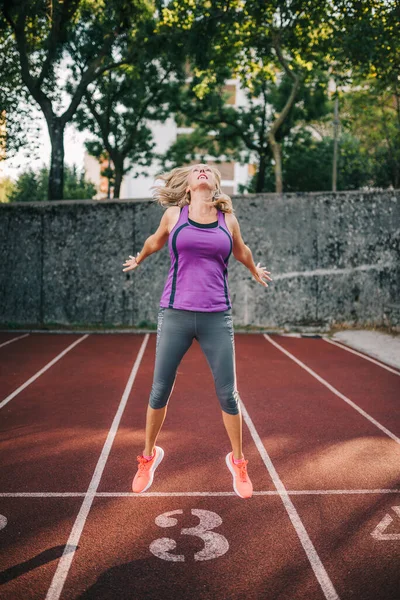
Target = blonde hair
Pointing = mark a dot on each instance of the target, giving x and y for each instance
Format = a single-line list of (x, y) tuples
[(173, 193)]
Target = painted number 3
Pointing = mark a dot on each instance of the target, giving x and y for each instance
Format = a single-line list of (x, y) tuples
[(215, 544)]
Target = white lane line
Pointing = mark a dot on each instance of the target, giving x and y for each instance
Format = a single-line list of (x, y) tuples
[(178, 494), (309, 548), (334, 390), (13, 340), (343, 492), (41, 494), (65, 561), (50, 364), (344, 347)]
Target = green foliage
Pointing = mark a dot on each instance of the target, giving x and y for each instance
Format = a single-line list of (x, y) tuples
[(307, 165), (116, 112), (365, 38), (75, 186), (239, 132), (6, 188), (32, 186), (217, 129), (86, 37), (306, 41), (276, 50), (386, 172), (118, 107), (125, 69), (17, 123), (372, 114), (355, 169)]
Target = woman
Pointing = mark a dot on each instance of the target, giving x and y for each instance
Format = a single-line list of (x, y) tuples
[(202, 232)]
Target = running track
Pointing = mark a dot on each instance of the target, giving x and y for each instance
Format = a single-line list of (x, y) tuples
[(321, 430)]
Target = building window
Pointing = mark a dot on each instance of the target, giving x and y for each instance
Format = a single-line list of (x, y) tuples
[(227, 169), (251, 169), (231, 90)]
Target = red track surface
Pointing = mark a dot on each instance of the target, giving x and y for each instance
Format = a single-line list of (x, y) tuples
[(307, 537)]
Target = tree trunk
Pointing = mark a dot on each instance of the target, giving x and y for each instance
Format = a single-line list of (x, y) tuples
[(396, 174), (276, 148), (56, 175), (276, 152), (335, 145), (109, 178), (260, 180), (118, 175)]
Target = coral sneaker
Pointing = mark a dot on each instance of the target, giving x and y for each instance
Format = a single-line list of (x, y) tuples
[(241, 480), (145, 473)]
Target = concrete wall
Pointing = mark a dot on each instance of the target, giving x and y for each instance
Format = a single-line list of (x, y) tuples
[(334, 258)]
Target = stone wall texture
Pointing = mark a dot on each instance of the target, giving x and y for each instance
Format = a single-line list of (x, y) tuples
[(334, 259)]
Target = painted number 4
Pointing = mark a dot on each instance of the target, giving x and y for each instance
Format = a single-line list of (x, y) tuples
[(215, 544)]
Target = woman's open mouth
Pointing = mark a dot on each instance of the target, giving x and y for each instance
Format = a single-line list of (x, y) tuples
[(202, 176)]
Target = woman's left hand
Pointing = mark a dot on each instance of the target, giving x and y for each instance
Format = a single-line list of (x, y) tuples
[(261, 273)]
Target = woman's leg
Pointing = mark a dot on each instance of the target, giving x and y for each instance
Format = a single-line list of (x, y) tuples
[(154, 420), (233, 426), (175, 332), (216, 338)]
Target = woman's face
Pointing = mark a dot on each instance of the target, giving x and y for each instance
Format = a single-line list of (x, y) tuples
[(201, 177)]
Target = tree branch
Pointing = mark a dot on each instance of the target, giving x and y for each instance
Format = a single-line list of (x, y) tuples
[(104, 132), (30, 82), (69, 7), (223, 119), (281, 58), (88, 76), (296, 84)]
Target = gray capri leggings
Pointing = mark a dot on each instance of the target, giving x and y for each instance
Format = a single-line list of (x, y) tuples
[(176, 330)]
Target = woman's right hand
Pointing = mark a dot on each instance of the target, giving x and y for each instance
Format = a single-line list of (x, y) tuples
[(131, 264)]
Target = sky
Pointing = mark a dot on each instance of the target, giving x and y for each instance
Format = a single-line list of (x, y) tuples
[(73, 139), (73, 148)]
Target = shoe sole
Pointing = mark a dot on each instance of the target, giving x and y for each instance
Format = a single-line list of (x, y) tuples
[(152, 469), (228, 463)]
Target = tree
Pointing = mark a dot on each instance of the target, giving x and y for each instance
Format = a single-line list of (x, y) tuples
[(46, 35), (6, 188), (17, 126), (270, 47), (118, 107), (75, 186), (32, 186), (365, 38), (372, 113), (307, 164), (240, 133), (365, 45)]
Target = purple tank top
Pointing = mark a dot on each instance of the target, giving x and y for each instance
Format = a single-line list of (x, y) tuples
[(198, 276)]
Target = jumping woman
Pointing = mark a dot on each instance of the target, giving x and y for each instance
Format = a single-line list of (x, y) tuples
[(202, 232)]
